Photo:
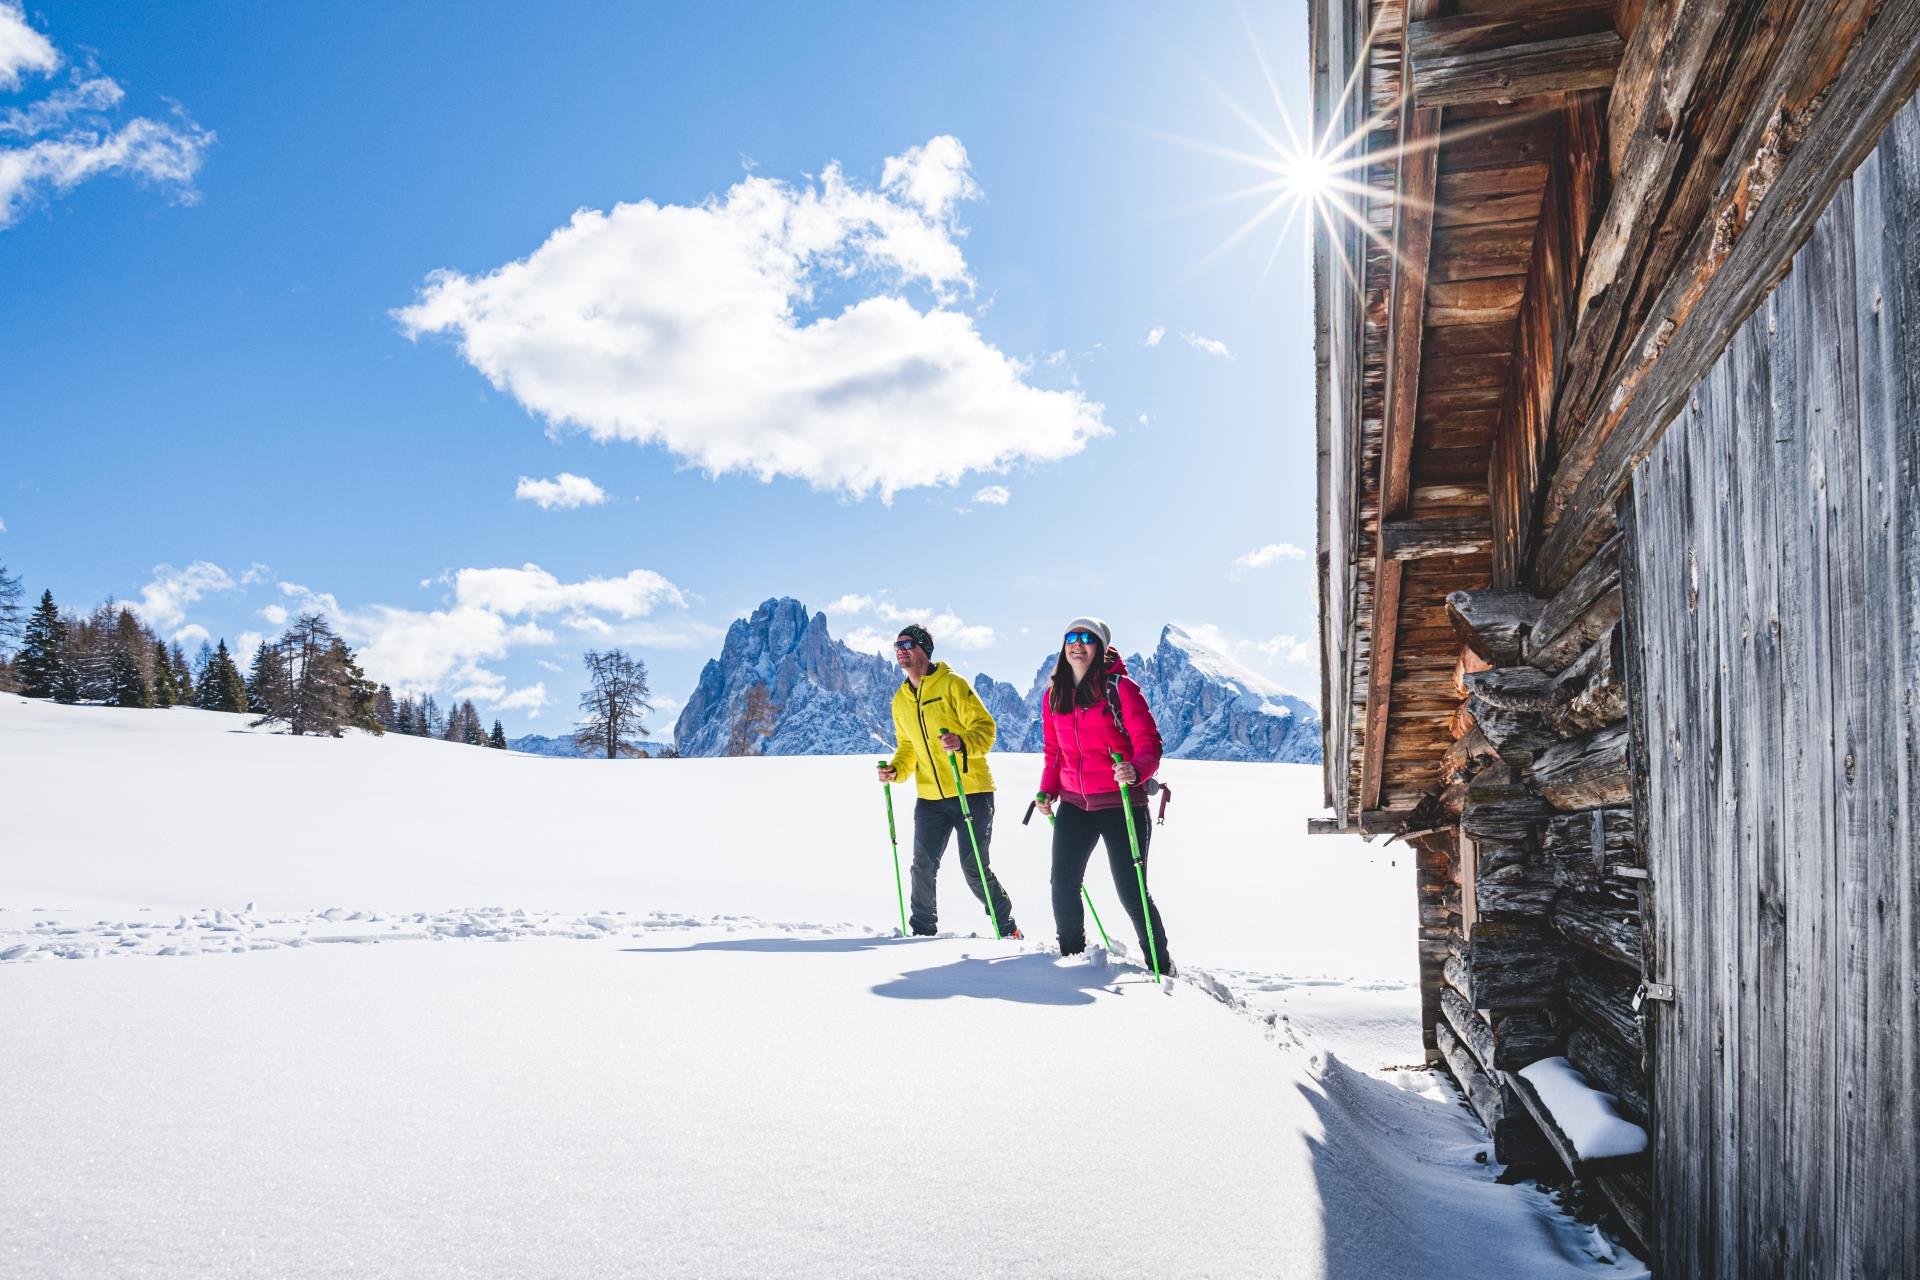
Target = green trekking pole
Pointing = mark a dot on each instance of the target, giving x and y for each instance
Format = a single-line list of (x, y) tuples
[(1105, 941), (979, 863), (898, 892), (1139, 872)]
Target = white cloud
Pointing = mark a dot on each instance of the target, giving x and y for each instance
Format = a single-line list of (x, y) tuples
[(1143, 420), (531, 699), (947, 628), (191, 634), (163, 602), (994, 495), (1212, 346), (1291, 649), (69, 140), (566, 490), (423, 651), (3, 526), (22, 49), (532, 590), (248, 642), (554, 667), (1156, 333), (1261, 557), (83, 96), (689, 326), (275, 614)]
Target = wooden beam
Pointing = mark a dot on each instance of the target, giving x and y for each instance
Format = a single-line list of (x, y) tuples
[(1880, 77), (1564, 65), (1416, 178), (1479, 32), (1437, 536)]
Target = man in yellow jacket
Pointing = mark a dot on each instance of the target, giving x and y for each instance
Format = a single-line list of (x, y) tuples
[(935, 711)]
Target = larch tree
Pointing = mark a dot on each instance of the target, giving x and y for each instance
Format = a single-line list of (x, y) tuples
[(614, 706)]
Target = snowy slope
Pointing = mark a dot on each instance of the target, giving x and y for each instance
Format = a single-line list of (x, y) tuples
[(495, 1014)]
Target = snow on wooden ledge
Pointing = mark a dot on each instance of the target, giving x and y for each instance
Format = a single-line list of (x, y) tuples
[(1587, 1117)]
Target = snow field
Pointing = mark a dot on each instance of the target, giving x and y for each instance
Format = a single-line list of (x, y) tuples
[(701, 1056)]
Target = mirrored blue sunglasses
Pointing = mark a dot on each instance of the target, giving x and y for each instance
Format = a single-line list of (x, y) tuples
[(1081, 637)]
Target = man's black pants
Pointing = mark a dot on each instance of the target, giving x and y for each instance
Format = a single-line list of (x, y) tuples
[(933, 822)]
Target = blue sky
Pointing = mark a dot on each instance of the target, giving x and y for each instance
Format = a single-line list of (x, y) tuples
[(836, 271)]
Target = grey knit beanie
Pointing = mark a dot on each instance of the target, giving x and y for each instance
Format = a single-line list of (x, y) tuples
[(1096, 626)]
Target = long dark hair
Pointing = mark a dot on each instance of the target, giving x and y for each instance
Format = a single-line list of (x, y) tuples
[(1065, 695)]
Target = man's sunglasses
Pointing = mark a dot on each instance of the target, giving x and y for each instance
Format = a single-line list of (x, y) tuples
[(904, 643), (1082, 637)]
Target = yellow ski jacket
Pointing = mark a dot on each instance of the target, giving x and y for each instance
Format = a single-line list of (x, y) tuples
[(944, 700)]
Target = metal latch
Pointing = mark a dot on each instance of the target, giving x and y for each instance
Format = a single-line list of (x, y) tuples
[(1651, 991)]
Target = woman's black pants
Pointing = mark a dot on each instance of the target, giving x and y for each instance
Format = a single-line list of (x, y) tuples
[(1075, 832)]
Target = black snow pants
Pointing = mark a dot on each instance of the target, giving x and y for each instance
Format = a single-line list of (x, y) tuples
[(934, 821), (1075, 832)]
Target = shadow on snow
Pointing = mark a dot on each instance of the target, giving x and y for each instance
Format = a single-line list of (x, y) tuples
[(1033, 978), (787, 946)]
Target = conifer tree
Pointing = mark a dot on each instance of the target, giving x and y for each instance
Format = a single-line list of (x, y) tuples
[(266, 680), (128, 682), (427, 723), (403, 716), (166, 692), (12, 617), (182, 674), (498, 738), (385, 710), (42, 659)]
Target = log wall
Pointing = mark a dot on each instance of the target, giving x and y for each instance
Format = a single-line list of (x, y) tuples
[(1772, 597)]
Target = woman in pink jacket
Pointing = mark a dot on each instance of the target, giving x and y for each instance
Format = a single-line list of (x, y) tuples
[(1092, 709)]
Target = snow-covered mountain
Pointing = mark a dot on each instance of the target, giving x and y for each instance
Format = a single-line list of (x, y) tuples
[(1210, 707), (782, 686), (538, 744)]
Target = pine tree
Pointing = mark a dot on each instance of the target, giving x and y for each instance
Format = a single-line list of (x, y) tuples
[(42, 664), (266, 680), (128, 682), (385, 710), (498, 738), (403, 716), (227, 689), (319, 689), (166, 691), (427, 723), (472, 732), (182, 675)]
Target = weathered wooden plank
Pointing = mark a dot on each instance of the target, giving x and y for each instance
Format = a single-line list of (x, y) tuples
[(1609, 1070), (1557, 1138), (1513, 965), (1483, 301), (1580, 847), (1561, 65), (1887, 321), (1579, 613), (1478, 32), (1605, 928), (1590, 692), (1494, 624), (1515, 1139), (1880, 76), (1586, 772), (1601, 996), (1504, 814), (1424, 539)]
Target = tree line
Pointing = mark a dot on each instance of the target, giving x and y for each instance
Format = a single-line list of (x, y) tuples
[(307, 679)]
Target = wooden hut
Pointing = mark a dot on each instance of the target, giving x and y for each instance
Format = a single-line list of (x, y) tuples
[(1618, 364)]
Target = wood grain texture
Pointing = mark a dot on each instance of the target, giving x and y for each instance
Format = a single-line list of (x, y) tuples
[(1773, 598)]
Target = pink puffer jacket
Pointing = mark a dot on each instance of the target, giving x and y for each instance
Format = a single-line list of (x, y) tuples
[(1078, 767)]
